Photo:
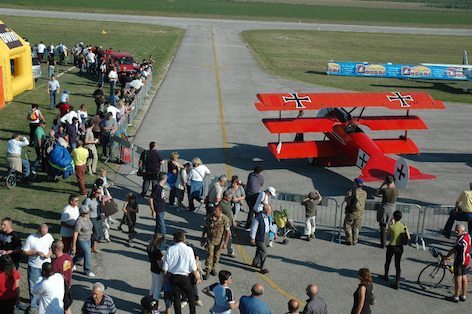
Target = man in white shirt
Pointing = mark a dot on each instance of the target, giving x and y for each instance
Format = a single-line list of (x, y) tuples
[(69, 216), (114, 111), (179, 262), (137, 83), (112, 78), (38, 249), (261, 201), (53, 90), (91, 62), (67, 118), (15, 162), (50, 291), (41, 49)]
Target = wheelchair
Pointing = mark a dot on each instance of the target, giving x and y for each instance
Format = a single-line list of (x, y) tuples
[(14, 177)]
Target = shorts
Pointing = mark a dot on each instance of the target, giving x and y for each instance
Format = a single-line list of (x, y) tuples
[(460, 270), (168, 299), (67, 297)]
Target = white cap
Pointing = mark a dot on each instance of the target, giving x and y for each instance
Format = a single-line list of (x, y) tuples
[(271, 190)]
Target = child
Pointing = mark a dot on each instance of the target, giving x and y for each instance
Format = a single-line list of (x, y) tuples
[(272, 230), (310, 203), (225, 301), (130, 209)]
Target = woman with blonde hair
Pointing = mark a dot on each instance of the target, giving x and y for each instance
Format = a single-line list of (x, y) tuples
[(155, 257), (196, 177), (363, 296), (173, 171)]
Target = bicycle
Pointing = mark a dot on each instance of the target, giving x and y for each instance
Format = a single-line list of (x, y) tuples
[(432, 275)]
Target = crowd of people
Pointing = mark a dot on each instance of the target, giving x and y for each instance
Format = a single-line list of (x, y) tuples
[(70, 146)]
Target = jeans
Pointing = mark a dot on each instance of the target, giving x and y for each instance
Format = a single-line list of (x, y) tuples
[(161, 225), (51, 71), (196, 193), (34, 274), (26, 168), (84, 246), (101, 78), (461, 216), (112, 88), (52, 99)]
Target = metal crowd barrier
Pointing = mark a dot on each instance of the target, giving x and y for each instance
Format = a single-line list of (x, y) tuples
[(433, 220), (326, 213), (127, 120), (412, 217)]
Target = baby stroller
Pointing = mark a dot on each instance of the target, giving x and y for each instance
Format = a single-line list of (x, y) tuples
[(285, 225)]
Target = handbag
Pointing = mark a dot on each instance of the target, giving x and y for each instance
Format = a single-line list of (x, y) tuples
[(404, 237)]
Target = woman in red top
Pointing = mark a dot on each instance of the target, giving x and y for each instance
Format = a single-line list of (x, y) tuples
[(9, 285)]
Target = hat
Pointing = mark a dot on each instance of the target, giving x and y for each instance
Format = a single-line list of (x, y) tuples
[(42, 121), (312, 195), (66, 92), (83, 210), (271, 190), (358, 181)]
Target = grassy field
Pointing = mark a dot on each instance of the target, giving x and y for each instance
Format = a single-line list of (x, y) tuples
[(303, 55), (260, 10), (42, 201)]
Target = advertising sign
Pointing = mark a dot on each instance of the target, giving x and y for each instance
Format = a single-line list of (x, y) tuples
[(399, 71)]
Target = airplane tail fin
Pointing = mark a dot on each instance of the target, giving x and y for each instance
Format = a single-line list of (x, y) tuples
[(465, 59)]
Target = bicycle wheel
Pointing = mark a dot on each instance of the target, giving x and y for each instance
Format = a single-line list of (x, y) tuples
[(432, 275), (11, 181)]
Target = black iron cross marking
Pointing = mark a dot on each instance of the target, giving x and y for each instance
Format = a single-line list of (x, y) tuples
[(363, 159), (298, 100), (401, 174), (401, 98)]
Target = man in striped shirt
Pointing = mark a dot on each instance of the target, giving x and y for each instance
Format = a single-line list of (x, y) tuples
[(99, 302)]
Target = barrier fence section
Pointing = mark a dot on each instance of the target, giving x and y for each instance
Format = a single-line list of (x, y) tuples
[(411, 216), (117, 142), (326, 213), (433, 220)]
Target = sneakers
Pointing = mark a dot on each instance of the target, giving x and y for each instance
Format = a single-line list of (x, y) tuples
[(264, 271), (213, 272), (183, 304), (130, 243), (270, 244), (74, 268), (90, 274), (231, 254), (199, 303), (453, 299), (462, 298)]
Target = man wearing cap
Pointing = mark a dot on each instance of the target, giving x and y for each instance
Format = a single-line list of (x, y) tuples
[(311, 202), (260, 237), (261, 201), (462, 211), (355, 204), (65, 96), (389, 193)]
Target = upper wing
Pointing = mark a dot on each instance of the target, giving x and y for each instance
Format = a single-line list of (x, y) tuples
[(316, 101)]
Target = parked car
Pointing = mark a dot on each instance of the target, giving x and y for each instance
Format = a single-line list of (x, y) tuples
[(36, 69), (123, 60)]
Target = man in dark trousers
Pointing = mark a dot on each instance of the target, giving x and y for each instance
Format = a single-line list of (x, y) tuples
[(255, 181), (157, 203), (260, 238), (150, 160)]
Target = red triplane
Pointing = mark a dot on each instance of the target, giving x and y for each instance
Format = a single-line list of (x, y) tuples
[(345, 144)]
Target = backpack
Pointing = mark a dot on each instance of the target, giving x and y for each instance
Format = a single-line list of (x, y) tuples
[(33, 115)]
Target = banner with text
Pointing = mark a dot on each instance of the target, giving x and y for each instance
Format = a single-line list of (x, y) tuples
[(399, 71)]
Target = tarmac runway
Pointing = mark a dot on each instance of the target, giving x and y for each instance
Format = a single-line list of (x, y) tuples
[(205, 107)]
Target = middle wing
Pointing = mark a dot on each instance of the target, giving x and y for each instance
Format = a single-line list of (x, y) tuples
[(316, 101)]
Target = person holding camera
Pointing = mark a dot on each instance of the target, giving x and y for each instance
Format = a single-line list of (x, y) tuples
[(389, 193)]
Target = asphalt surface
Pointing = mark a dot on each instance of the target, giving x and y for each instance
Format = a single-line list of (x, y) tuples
[(205, 108)]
